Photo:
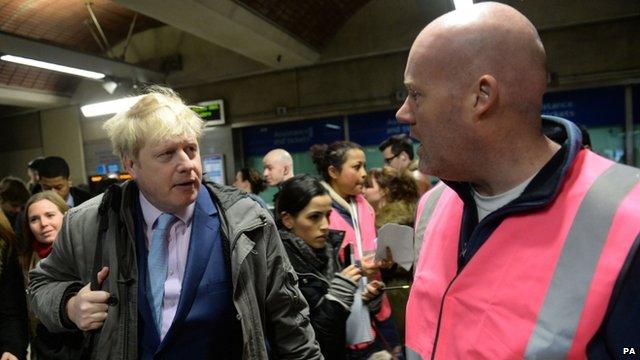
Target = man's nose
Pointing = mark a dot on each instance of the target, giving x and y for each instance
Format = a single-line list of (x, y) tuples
[(403, 115), (186, 162)]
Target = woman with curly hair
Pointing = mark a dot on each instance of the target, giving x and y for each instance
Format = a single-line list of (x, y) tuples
[(394, 195)]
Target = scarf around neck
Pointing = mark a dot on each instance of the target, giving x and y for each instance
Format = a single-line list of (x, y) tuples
[(43, 250)]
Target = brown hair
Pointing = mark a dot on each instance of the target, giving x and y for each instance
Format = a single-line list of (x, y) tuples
[(13, 189), (399, 186), (6, 231)]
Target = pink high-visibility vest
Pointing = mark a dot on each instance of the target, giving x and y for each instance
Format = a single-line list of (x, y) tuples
[(540, 284), (367, 219)]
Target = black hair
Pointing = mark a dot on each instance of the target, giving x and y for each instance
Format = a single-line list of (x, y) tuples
[(54, 166), (254, 178), (13, 189), (296, 193), (335, 155), (35, 163), (398, 143)]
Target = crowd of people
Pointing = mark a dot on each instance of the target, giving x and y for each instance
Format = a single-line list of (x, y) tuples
[(525, 249)]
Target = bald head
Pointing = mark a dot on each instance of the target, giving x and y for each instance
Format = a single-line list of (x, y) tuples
[(475, 78), (488, 39), (278, 167)]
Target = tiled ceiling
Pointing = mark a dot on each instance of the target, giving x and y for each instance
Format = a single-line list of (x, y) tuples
[(65, 23), (314, 22)]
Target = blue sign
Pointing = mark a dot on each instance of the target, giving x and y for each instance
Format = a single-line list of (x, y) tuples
[(590, 107), (113, 168), (293, 137), (373, 128)]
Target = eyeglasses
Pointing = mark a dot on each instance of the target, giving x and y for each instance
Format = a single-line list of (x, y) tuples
[(389, 160)]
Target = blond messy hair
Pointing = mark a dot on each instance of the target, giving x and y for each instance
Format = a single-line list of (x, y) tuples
[(158, 116)]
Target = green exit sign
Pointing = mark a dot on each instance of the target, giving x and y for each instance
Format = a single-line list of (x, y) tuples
[(212, 112)]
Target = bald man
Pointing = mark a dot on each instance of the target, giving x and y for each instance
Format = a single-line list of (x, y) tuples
[(278, 167), (529, 247)]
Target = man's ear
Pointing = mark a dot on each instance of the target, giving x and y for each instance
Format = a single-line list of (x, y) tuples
[(128, 163), (287, 220), (333, 172), (486, 94), (287, 170)]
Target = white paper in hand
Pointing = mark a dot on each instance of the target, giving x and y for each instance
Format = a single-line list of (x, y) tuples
[(399, 238)]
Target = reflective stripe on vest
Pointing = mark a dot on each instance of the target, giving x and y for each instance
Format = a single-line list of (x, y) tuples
[(575, 269), (540, 285), (430, 203)]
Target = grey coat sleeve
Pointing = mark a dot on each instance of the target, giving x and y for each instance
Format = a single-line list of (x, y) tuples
[(291, 334), (51, 277)]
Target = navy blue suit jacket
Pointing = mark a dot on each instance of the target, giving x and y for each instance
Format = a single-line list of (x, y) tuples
[(205, 320)]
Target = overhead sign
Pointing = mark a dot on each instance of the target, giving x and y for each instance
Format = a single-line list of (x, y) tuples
[(373, 128), (590, 107), (212, 112), (294, 136)]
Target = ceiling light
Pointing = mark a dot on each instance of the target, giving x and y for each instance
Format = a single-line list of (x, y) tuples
[(110, 86), (54, 67), (460, 4), (109, 107)]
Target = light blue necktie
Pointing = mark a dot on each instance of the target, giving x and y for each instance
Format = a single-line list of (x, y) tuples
[(158, 264)]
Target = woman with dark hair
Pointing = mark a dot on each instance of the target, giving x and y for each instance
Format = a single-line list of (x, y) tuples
[(13, 306), (44, 213), (342, 165), (252, 182), (303, 209)]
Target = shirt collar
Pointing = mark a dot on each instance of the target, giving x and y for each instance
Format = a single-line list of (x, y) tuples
[(70, 201), (151, 213)]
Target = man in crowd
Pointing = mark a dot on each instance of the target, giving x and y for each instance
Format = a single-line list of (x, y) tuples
[(397, 152), (529, 247), (13, 195), (166, 266), (278, 167), (54, 175), (33, 172)]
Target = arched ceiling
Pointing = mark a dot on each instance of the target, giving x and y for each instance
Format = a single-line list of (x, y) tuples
[(293, 30), (273, 34), (315, 22), (64, 23)]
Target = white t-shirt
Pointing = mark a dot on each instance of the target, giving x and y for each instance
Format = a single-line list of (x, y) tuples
[(488, 204)]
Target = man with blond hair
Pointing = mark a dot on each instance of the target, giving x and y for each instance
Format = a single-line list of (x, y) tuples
[(168, 265), (529, 246)]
